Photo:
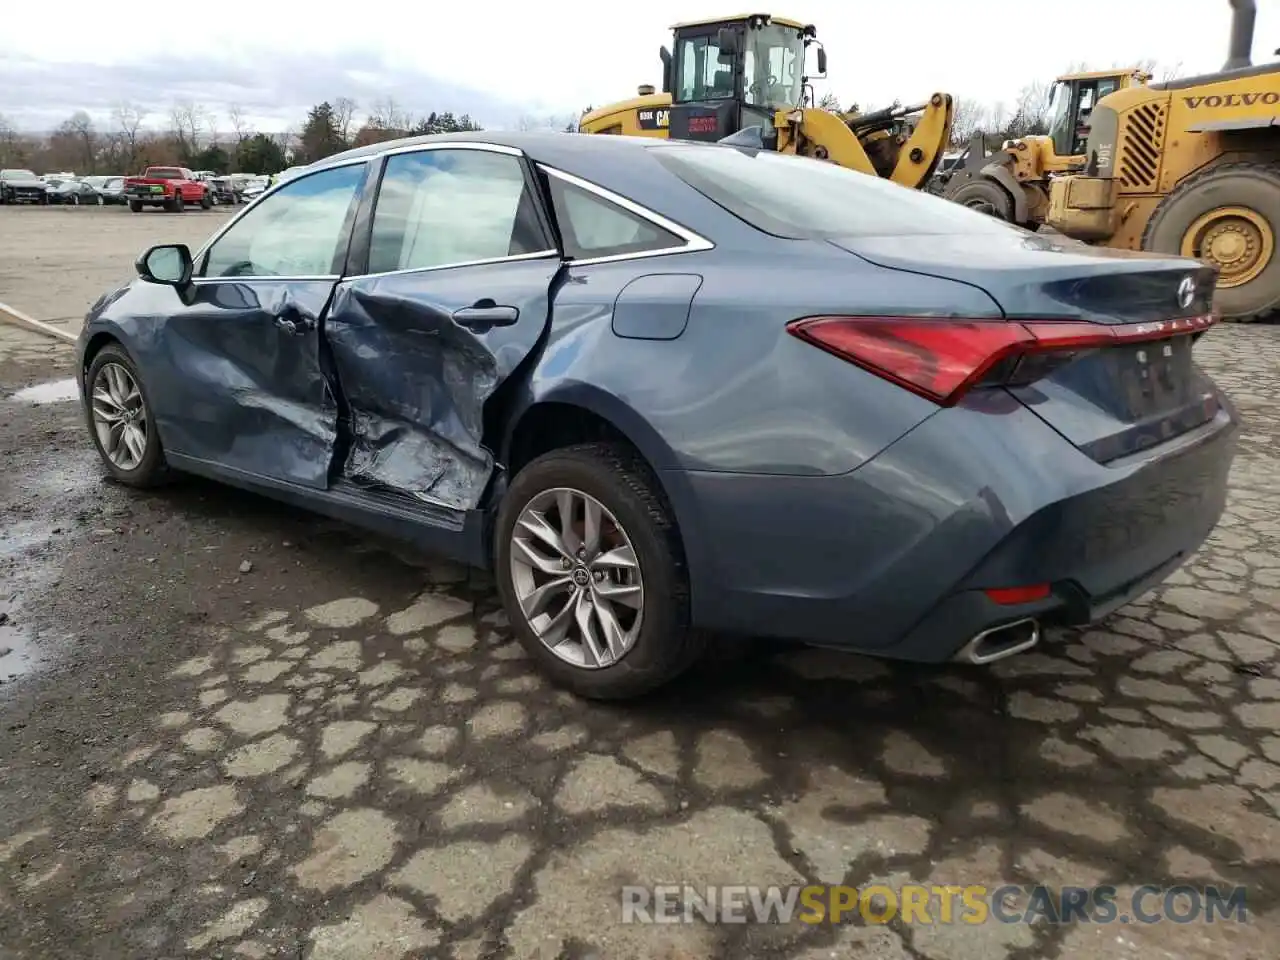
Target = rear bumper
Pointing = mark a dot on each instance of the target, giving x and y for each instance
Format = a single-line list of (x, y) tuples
[(894, 557)]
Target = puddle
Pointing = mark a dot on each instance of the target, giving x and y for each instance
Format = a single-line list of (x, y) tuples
[(56, 391), (17, 653)]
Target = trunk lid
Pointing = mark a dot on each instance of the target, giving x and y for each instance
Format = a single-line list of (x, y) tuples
[(1112, 401)]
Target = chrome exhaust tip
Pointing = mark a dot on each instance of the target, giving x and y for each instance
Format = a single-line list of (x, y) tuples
[(1000, 642)]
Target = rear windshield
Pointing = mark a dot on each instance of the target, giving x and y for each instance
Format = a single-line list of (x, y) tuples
[(797, 197), (163, 173)]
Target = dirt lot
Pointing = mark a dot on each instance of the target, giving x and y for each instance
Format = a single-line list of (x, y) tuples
[(233, 730)]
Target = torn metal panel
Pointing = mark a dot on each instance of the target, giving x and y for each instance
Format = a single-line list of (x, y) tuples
[(417, 356)]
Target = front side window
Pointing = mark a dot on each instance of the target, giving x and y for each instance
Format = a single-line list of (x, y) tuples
[(701, 74), (437, 208), (296, 232), (591, 226)]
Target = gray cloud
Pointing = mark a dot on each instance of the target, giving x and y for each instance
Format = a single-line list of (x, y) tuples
[(278, 88)]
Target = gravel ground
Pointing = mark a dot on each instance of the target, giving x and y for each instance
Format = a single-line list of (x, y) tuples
[(230, 729)]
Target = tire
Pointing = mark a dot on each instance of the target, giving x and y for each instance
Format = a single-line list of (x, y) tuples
[(149, 470), (206, 202), (75, 199), (1255, 187), (44, 200), (985, 196), (135, 206), (100, 200), (178, 203), (623, 484)]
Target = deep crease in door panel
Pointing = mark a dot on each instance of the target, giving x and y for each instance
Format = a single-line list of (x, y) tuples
[(416, 384)]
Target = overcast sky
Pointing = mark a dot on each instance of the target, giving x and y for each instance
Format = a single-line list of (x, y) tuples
[(501, 59)]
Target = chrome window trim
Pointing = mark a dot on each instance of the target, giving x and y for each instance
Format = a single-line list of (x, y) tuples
[(454, 145), (199, 254), (693, 242), (271, 278), (513, 258)]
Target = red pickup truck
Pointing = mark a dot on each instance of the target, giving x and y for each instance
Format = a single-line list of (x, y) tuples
[(169, 187)]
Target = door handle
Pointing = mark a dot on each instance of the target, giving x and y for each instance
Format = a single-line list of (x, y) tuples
[(486, 314), (294, 323)]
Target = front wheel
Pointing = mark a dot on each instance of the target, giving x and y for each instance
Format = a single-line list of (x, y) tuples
[(591, 572), (121, 421), (206, 201), (984, 196)]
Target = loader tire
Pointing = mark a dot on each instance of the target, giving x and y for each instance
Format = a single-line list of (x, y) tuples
[(1229, 218), (985, 196)]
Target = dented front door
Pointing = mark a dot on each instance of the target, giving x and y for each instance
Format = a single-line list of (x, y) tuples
[(250, 386), (450, 296)]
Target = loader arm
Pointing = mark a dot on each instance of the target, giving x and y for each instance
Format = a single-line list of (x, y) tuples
[(810, 132)]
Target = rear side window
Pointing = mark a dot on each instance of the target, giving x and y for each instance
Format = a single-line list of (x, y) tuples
[(592, 226), (798, 197), (442, 207)]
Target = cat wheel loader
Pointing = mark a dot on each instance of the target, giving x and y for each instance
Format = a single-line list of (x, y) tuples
[(1189, 167), (1012, 183), (741, 79)]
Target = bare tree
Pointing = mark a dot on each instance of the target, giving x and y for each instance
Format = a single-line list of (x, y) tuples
[(241, 127), (10, 142), (128, 119), (830, 102), (1030, 112), (966, 120), (187, 121), (386, 115), (344, 113), (79, 128)]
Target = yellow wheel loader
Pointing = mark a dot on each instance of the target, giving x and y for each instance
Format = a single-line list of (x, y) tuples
[(1012, 183), (1190, 167), (741, 79)]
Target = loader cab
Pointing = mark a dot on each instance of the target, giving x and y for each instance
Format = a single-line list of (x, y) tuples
[(1071, 101), (727, 74)]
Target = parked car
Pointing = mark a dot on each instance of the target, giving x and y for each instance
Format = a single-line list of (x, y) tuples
[(665, 389), (112, 190), (22, 186), (172, 188), (75, 192), (254, 188), (223, 190), (288, 173)]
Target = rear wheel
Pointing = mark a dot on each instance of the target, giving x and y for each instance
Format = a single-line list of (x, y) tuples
[(984, 196), (591, 572), (1229, 218), (178, 204), (135, 206)]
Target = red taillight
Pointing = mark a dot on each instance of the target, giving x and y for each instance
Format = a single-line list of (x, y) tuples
[(1012, 596), (941, 359)]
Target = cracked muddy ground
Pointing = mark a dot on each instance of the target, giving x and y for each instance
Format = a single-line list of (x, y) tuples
[(239, 731)]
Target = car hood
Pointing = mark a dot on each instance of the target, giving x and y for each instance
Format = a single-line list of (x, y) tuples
[(1050, 277), (24, 182)]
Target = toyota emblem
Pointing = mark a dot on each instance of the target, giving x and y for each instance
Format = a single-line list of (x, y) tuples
[(1186, 292)]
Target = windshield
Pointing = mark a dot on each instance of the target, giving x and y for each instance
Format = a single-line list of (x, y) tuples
[(700, 74), (797, 197), (17, 174), (774, 66)]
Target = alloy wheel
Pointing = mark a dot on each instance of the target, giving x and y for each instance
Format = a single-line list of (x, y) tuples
[(577, 578), (120, 416)]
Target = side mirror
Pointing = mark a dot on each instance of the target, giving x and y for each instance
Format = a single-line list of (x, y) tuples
[(665, 54), (167, 263), (727, 41), (822, 61)]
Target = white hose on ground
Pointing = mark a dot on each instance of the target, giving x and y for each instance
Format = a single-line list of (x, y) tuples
[(19, 319)]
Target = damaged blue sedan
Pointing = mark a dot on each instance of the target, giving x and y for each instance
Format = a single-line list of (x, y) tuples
[(668, 390)]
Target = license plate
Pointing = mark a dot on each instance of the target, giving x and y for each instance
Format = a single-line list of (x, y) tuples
[(1156, 376), (156, 189)]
